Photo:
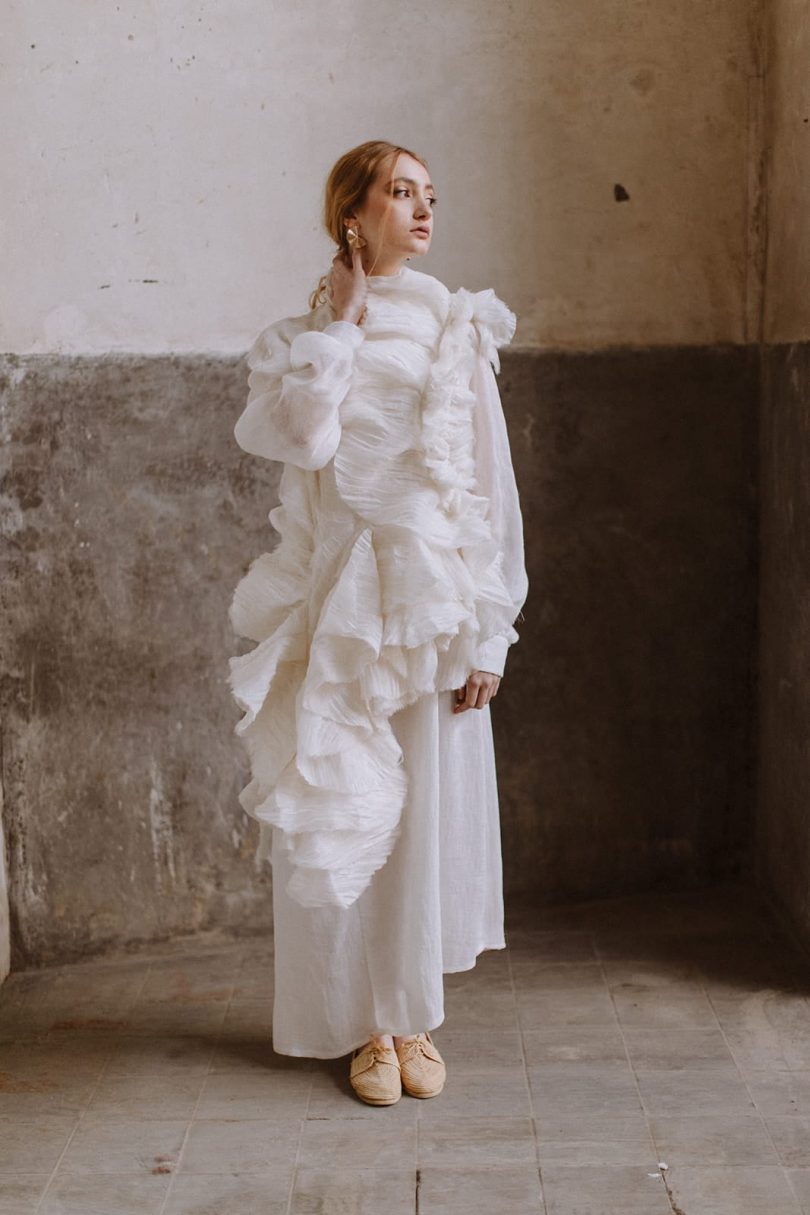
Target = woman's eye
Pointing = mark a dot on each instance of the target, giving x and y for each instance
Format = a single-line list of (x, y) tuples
[(402, 190)]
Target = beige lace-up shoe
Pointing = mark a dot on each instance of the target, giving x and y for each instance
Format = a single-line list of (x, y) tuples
[(422, 1067), (374, 1074)]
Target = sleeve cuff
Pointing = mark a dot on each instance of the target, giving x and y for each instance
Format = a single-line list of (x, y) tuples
[(492, 655), (345, 331)]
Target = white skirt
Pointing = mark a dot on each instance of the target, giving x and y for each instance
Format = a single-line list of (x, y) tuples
[(343, 974)]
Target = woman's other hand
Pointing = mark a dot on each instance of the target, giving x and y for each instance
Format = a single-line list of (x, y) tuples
[(481, 686), (348, 288)]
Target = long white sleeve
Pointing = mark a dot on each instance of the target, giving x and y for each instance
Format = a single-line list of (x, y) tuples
[(496, 481), (295, 389)]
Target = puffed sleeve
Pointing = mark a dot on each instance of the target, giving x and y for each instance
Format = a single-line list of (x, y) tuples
[(295, 389), (496, 480)]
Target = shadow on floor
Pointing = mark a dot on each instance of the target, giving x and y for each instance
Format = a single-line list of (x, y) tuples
[(647, 1055)]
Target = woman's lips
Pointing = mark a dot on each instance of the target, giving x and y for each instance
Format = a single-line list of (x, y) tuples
[(420, 232)]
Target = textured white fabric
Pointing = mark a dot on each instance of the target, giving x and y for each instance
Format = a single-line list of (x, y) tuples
[(399, 570), (342, 974)]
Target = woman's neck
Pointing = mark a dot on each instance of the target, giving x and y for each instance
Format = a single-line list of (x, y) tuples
[(385, 267)]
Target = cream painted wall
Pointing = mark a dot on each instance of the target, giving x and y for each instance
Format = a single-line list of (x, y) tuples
[(164, 163), (787, 312)]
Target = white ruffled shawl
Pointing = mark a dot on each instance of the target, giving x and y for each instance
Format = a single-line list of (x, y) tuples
[(418, 588)]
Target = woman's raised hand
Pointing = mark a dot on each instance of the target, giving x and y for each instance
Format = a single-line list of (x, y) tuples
[(348, 287)]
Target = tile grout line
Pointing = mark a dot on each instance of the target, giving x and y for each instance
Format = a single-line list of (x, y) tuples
[(670, 1200), (760, 1115), (301, 1126), (93, 1092), (532, 1118), (187, 1131)]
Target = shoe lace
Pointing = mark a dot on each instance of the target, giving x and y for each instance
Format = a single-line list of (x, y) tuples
[(377, 1052), (410, 1048)]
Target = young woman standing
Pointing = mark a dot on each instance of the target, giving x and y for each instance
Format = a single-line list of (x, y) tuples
[(381, 618)]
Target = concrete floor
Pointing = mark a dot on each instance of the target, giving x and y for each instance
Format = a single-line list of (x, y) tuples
[(639, 1055)]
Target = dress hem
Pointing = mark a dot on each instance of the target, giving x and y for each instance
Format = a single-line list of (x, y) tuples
[(309, 1054)]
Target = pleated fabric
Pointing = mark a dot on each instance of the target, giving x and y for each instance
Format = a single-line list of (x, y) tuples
[(342, 974), (399, 568)]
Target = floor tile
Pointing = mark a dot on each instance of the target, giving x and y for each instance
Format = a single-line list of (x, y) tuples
[(553, 976), (134, 1194), (320, 1191), (20, 1193), (457, 1140), (605, 1190), (537, 947), (673, 1049), (241, 1146), (662, 1007), (598, 1045), (228, 1194), (537, 1009), (655, 1040), (591, 1139), (496, 1191), (713, 1139), (693, 1091), (732, 1190), (480, 1009), (474, 1051), (479, 1094), (281, 1095), (791, 1137), (561, 1088), (799, 1182), (368, 1144), (780, 1093), (124, 1145), (170, 1097), (332, 1096), (33, 1145), (159, 1055)]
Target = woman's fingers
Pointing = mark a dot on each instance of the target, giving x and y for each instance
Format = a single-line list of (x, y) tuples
[(479, 689)]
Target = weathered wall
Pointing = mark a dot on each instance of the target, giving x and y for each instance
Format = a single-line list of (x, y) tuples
[(621, 727), (129, 512), (783, 821), (787, 300), (598, 164), (591, 157)]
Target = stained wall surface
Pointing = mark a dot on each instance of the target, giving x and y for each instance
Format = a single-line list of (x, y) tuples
[(597, 164), (783, 819), (166, 163), (623, 722)]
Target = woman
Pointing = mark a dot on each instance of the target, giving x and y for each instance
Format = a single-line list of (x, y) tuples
[(383, 616)]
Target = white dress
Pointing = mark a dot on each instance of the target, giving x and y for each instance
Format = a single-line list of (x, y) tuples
[(399, 570)]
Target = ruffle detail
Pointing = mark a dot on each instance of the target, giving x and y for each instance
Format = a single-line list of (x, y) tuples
[(494, 323), (417, 588)]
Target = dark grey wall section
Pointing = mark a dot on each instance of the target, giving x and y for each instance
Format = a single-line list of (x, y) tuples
[(129, 514), (625, 728), (783, 824), (623, 725)]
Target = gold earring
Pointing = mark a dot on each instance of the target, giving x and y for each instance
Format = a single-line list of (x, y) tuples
[(354, 239)]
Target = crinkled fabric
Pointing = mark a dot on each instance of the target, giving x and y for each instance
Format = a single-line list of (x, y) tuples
[(399, 567)]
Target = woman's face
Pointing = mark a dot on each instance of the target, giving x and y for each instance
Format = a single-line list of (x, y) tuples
[(397, 215)]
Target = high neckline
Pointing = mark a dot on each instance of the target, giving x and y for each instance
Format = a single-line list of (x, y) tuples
[(388, 277)]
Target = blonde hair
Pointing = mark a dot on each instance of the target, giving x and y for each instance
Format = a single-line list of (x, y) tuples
[(346, 189)]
